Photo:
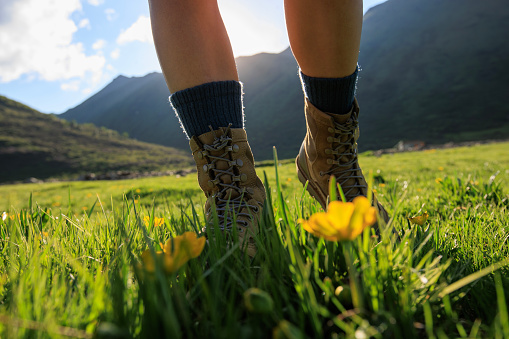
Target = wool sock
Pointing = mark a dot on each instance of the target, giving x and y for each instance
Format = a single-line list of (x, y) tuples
[(331, 95), (216, 104)]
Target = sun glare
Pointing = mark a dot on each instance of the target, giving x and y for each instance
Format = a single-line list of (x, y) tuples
[(250, 32)]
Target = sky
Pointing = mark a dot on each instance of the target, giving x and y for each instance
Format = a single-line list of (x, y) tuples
[(54, 54)]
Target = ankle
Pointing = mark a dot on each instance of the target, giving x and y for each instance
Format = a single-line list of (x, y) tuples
[(217, 104), (331, 95)]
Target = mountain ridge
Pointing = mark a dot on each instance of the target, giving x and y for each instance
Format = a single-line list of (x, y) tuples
[(34, 144), (430, 71)]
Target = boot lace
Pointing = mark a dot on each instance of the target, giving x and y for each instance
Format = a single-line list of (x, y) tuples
[(345, 165), (231, 199)]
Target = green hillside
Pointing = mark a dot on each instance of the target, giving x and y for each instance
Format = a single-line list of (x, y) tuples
[(432, 70), (34, 144)]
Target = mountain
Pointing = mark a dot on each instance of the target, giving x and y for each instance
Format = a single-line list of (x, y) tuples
[(34, 144), (140, 107), (435, 70), (432, 70), (137, 106)]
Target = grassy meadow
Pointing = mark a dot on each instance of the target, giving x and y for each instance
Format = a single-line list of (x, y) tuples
[(71, 264)]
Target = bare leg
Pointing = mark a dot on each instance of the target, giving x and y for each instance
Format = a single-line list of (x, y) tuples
[(325, 35), (191, 42)]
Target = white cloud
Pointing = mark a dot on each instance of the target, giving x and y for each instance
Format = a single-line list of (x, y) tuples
[(115, 54), (111, 14), (139, 31), (84, 23), (99, 44), (95, 2), (37, 41), (71, 86), (86, 91)]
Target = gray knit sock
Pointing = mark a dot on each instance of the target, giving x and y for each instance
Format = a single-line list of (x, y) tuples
[(216, 104), (331, 95)]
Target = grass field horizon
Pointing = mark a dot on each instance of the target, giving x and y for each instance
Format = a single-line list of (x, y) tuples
[(71, 253)]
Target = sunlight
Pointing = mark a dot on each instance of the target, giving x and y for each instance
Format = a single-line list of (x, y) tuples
[(250, 32)]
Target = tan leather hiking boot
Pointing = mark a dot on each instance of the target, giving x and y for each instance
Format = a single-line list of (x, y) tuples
[(227, 176), (330, 148)]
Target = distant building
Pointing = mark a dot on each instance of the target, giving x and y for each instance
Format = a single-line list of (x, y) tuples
[(412, 145)]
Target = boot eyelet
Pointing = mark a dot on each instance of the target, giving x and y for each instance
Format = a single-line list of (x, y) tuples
[(321, 173), (331, 130), (330, 139), (235, 148), (330, 161), (237, 162), (328, 151), (243, 177), (211, 184)]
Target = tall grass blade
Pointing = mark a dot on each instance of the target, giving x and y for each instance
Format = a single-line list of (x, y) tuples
[(473, 277)]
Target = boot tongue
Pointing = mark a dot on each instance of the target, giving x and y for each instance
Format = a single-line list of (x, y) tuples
[(343, 120), (348, 136), (213, 139), (223, 165)]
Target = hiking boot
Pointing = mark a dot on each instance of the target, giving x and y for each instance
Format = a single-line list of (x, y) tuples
[(227, 176), (330, 148)]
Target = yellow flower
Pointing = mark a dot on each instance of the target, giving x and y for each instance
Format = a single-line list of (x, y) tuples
[(289, 179), (419, 219), (438, 180), (342, 221), (157, 221), (56, 204), (440, 168), (176, 252), (138, 190)]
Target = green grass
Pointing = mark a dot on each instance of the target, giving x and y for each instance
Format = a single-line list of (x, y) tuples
[(69, 258)]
